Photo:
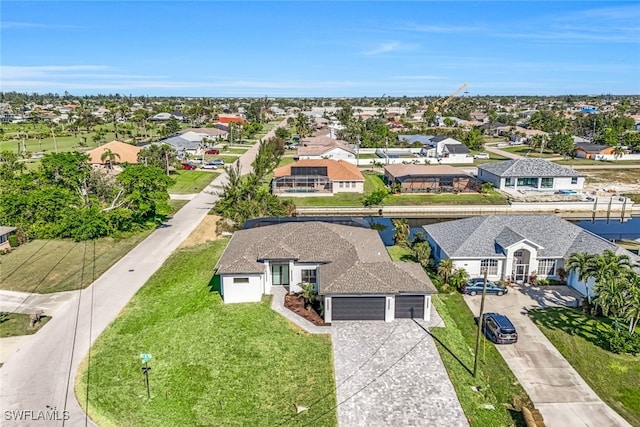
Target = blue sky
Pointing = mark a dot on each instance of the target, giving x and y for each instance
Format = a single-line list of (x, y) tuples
[(319, 48)]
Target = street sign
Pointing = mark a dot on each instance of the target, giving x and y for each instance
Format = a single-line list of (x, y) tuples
[(145, 357)]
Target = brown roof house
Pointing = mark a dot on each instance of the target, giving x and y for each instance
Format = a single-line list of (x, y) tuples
[(429, 179), (317, 177), (122, 153), (348, 265), (323, 147)]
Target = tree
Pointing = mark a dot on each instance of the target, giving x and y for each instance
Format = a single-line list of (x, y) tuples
[(108, 157), (579, 263), (376, 198), (486, 188), (145, 191), (618, 152), (423, 253), (401, 236), (459, 277), (445, 269), (162, 156), (172, 126), (561, 143), (473, 140)]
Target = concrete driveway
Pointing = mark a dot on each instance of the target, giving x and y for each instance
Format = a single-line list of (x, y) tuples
[(390, 374), (556, 389)]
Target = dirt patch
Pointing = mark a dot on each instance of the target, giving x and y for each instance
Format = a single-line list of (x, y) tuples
[(204, 232), (296, 304)]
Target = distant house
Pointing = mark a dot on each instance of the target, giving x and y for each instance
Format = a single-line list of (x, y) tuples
[(586, 150), (348, 265), (317, 177), (5, 232), (440, 147), (225, 119), (182, 145), (426, 179), (514, 247), (530, 174), (123, 153), (323, 147), (163, 117)]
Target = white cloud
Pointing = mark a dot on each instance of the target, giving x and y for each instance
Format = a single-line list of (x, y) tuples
[(389, 47)]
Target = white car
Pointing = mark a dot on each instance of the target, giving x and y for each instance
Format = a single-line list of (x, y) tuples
[(482, 156), (209, 166)]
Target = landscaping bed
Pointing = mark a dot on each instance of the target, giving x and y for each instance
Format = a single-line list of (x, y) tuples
[(296, 303)]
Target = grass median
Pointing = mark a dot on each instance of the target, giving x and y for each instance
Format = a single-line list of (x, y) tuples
[(212, 364), (499, 397), (614, 377)]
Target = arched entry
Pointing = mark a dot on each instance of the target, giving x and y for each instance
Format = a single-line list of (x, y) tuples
[(521, 259)]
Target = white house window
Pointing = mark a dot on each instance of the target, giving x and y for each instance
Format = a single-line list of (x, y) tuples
[(240, 280), (574, 179), (508, 182), (547, 183), (341, 184), (308, 276), (353, 184), (491, 265), (518, 254), (546, 267)]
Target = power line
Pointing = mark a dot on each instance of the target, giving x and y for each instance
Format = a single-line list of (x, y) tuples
[(35, 288), (349, 376), (75, 329), (370, 382), (26, 260)]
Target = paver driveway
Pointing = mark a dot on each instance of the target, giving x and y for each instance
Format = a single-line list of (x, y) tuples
[(556, 389), (390, 374)]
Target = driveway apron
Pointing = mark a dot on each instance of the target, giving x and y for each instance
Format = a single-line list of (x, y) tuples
[(390, 374)]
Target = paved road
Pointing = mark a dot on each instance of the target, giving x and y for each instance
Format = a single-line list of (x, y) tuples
[(495, 150), (391, 374), (41, 376), (556, 389)]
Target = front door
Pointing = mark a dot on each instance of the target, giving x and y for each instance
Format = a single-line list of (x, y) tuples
[(280, 274), (521, 272)]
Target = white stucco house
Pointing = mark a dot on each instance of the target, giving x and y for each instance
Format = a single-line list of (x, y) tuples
[(513, 247), (348, 265), (530, 174)]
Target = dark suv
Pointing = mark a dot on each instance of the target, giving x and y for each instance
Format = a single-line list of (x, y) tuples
[(499, 329)]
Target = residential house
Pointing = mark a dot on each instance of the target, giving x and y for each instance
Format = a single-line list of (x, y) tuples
[(586, 150), (348, 266), (5, 232), (123, 153), (426, 179), (317, 177), (514, 247), (182, 145), (530, 174), (322, 147)]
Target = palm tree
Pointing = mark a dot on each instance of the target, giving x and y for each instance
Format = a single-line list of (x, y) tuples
[(632, 306), (618, 152), (445, 269), (401, 236), (579, 263), (108, 157), (608, 269), (459, 277)]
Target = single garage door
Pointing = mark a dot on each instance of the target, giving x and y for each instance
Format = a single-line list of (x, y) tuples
[(357, 308), (409, 306)]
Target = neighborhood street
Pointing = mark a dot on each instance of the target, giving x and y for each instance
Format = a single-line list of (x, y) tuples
[(41, 375)]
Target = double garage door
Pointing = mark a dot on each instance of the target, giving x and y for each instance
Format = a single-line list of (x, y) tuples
[(373, 308)]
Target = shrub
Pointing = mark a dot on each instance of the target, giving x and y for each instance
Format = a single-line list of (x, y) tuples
[(13, 241), (623, 342)]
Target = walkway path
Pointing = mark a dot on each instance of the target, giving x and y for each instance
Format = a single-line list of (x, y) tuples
[(42, 374), (556, 389)]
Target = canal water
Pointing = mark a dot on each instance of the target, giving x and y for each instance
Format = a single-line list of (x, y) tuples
[(612, 229)]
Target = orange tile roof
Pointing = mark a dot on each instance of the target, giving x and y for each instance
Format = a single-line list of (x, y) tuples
[(337, 170), (128, 153)]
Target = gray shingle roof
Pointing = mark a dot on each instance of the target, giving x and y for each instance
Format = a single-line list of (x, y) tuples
[(527, 168), (485, 236), (354, 259)]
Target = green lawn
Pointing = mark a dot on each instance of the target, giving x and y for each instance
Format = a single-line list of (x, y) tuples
[(191, 181), (176, 205), (373, 181), (19, 324), (213, 364), (633, 196), (46, 266), (499, 387), (615, 378), (286, 161), (235, 150), (524, 149), (400, 253)]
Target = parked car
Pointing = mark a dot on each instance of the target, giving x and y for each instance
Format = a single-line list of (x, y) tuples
[(481, 156), (475, 287), (189, 166), (215, 152), (209, 165), (499, 329), (217, 162)]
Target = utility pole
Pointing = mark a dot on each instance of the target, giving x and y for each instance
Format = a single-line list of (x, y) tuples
[(480, 325)]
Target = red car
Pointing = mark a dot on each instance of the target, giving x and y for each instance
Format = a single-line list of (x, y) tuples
[(216, 152), (188, 166)]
